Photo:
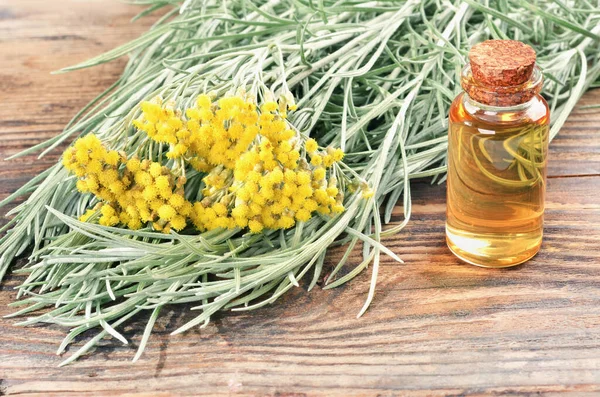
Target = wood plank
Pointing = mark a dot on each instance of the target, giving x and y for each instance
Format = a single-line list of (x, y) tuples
[(436, 327), (576, 150)]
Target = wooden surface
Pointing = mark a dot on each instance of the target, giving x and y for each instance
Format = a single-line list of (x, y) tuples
[(436, 327)]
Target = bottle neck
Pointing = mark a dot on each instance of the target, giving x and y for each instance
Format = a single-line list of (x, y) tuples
[(505, 97), (534, 110)]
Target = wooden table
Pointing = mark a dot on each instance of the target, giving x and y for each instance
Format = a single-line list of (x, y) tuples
[(436, 326)]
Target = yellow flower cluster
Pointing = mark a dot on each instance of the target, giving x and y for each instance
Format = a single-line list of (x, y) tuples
[(273, 199), (270, 185), (259, 173), (212, 134), (133, 192)]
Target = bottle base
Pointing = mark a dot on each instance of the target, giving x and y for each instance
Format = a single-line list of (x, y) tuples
[(492, 250)]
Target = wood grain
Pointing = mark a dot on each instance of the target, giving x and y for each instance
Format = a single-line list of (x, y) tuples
[(436, 327)]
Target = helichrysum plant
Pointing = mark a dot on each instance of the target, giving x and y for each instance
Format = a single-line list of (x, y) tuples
[(257, 171), (246, 138)]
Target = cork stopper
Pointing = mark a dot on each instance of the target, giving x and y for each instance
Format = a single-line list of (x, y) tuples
[(502, 62), (501, 73)]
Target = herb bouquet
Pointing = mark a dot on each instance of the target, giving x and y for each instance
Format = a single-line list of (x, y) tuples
[(246, 138)]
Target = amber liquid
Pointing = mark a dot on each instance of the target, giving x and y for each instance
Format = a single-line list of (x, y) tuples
[(496, 182)]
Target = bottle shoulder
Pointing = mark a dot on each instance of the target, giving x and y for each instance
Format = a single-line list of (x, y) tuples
[(464, 110), (540, 111)]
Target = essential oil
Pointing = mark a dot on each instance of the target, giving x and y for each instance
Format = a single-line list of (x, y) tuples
[(497, 156)]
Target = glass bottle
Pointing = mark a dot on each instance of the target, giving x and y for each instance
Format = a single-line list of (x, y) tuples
[(497, 155)]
